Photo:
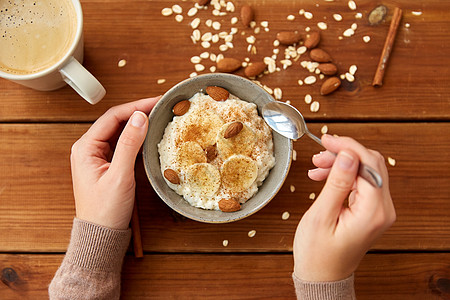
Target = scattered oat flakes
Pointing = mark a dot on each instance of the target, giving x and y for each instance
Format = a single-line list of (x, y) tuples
[(308, 99), (225, 243), (340, 37), (324, 129), (251, 233), (352, 5), (177, 9), (179, 18), (278, 93), (219, 57), (321, 76), (352, 70), (223, 47), (161, 81), (342, 76), (234, 20), (166, 11), (192, 12), (276, 43), (337, 17), (348, 32), (193, 74), (308, 15), (322, 25), (206, 45), (358, 16), (216, 25), (310, 80), (391, 161), (300, 82), (195, 59), (251, 39), (314, 106), (195, 23), (230, 6), (349, 77), (292, 188), (301, 50), (264, 24), (216, 12), (354, 26), (122, 63), (307, 29), (257, 30), (294, 155), (212, 69), (285, 215), (199, 67), (416, 13), (366, 39), (290, 18), (301, 11), (407, 25), (312, 196)]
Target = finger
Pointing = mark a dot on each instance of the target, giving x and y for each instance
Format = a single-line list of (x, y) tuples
[(338, 186), (128, 145), (109, 123), (324, 159), (319, 174)]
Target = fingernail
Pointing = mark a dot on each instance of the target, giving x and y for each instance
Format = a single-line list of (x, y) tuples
[(345, 160), (318, 154), (138, 119), (313, 170)]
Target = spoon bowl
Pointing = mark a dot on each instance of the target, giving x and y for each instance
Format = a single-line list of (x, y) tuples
[(289, 122)]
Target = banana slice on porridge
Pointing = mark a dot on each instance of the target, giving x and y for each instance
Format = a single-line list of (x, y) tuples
[(239, 172), (190, 153), (201, 127), (203, 179), (241, 143)]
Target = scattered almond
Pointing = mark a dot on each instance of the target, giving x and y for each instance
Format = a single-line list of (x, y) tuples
[(313, 40), (181, 107), (229, 205), (171, 176), (330, 85), (233, 129), (247, 15), (320, 55), (288, 37), (217, 93), (328, 68), (254, 69), (228, 65), (211, 153)]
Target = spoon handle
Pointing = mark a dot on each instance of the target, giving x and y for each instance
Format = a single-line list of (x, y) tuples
[(364, 171)]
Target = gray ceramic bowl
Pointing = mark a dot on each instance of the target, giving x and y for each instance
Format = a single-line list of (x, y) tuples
[(162, 114)]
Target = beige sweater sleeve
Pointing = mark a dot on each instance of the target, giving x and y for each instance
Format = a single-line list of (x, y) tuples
[(335, 290), (92, 265)]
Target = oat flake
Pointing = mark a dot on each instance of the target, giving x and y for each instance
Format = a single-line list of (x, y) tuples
[(314, 106), (391, 161), (122, 63), (251, 233), (285, 215)]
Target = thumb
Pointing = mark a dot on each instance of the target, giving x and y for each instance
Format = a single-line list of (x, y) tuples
[(129, 143), (338, 186)]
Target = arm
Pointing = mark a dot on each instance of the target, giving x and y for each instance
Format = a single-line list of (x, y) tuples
[(333, 237), (104, 189)]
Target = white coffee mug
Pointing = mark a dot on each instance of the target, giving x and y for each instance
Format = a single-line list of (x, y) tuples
[(67, 70)]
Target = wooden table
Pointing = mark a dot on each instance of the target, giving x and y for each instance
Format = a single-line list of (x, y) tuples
[(406, 119)]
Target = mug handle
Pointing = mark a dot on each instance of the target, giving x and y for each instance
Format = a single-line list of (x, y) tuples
[(83, 82)]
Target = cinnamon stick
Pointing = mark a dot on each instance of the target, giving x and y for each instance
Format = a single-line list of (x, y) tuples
[(388, 44), (136, 232)]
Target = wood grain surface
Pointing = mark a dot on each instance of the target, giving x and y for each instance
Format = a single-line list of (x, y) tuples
[(406, 119), (156, 47), (37, 204), (233, 276)]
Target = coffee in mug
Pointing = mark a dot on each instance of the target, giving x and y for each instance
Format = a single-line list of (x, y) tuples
[(41, 46)]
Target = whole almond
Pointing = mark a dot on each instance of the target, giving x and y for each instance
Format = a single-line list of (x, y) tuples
[(217, 93), (254, 69), (288, 37), (233, 129), (211, 153), (202, 2), (229, 205), (313, 40), (319, 55), (330, 85), (181, 107), (171, 176), (328, 69), (228, 64), (247, 15)]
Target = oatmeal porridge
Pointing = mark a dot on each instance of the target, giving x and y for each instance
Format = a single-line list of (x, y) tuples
[(216, 153)]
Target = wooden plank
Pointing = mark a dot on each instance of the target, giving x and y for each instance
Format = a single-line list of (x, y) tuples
[(257, 276), (415, 85), (36, 201)]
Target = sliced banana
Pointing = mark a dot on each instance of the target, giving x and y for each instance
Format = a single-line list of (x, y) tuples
[(239, 172), (203, 179), (201, 127), (190, 153), (242, 143)]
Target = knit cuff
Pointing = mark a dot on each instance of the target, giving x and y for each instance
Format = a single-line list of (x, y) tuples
[(96, 247), (333, 290)]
